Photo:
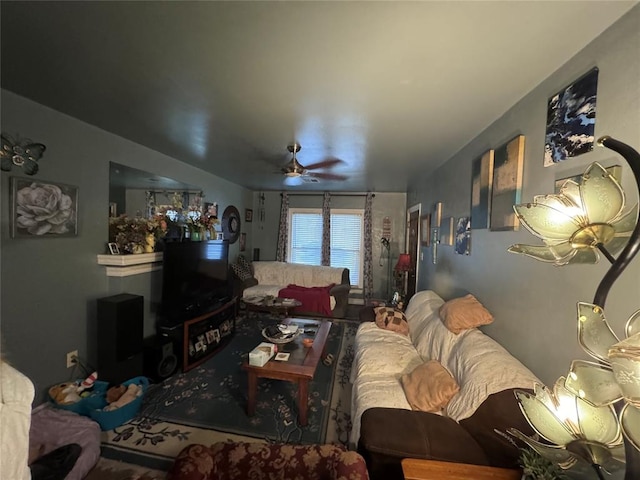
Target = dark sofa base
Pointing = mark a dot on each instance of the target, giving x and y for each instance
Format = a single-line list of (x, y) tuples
[(388, 435)]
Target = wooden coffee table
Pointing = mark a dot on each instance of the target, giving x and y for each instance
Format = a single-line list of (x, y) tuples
[(300, 368), (276, 307)]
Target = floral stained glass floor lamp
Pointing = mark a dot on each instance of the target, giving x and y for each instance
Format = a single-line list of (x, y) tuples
[(591, 417)]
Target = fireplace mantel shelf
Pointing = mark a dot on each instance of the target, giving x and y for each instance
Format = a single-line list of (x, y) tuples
[(126, 265)]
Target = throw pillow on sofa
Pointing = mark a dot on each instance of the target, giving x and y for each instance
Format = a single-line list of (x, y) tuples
[(429, 387), (245, 264), (464, 313), (391, 319), (242, 269)]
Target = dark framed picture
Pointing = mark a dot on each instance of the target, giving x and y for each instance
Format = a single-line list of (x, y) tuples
[(211, 209), (425, 230), (243, 242), (481, 182), (113, 248), (508, 165), (571, 120), (463, 236), (446, 231), (248, 215), (41, 209)]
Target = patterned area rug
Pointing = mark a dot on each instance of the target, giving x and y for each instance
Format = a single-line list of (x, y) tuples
[(208, 403), (107, 469)]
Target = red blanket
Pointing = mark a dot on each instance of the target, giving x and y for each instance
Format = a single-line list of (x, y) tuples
[(314, 299)]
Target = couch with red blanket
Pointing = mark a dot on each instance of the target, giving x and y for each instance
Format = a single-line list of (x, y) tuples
[(322, 290)]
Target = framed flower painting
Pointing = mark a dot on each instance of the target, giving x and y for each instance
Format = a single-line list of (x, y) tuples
[(41, 209)]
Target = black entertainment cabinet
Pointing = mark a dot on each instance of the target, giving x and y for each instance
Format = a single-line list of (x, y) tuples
[(204, 335)]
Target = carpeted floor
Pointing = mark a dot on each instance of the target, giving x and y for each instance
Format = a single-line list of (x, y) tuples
[(207, 404)]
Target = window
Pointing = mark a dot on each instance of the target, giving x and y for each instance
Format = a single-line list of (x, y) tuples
[(305, 239)]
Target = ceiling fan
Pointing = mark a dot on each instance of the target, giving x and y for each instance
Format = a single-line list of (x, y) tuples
[(296, 173)]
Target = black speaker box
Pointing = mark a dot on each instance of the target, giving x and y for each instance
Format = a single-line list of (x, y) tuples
[(120, 337), (160, 361)]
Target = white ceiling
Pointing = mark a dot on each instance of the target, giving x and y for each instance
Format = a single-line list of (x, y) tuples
[(390, 88)]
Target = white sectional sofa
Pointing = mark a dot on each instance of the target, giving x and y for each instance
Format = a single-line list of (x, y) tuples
[(270, 277), (480, 366)]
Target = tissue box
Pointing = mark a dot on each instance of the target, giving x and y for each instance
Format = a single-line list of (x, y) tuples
[(261, 354)]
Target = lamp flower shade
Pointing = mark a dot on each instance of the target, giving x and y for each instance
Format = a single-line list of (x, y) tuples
[(580, 220), (577, 433), (578, 417), (616, 376)]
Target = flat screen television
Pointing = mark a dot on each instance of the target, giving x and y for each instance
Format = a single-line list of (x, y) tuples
[(194, 279)]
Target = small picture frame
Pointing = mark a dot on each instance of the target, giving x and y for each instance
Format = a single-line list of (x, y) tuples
[(446, 231), (216, 335), (113, 248), (425, 230), (248, 215)]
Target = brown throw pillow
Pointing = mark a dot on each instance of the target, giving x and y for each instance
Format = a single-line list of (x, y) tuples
[(464, 313), (391, 319), (429, 387)]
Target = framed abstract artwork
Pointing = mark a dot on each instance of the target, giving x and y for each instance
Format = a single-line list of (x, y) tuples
[(425, 230), (41, 209), (571, 120), (481, 181), (508, 162), (446, 231), (462, 244)]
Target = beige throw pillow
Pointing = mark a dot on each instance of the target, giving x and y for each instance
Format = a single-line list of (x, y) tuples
[(429, 387), (391, 319), (464, 313)]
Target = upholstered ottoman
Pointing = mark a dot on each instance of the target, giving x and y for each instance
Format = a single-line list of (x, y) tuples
[(243, 460)]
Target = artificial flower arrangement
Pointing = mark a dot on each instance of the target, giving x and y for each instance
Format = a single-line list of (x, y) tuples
[(135, 234)]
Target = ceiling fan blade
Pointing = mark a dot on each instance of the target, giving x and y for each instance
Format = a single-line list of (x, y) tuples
[(326, 176), (329, 162)]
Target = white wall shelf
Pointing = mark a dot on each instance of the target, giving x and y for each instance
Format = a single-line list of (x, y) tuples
[(126, 265)]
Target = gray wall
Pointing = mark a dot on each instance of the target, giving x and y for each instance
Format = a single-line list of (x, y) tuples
[(534, 304), (49, 286), (392, 205)]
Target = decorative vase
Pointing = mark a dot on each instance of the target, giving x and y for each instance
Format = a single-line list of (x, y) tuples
[(150, 246), (196, 235), (137, 248)]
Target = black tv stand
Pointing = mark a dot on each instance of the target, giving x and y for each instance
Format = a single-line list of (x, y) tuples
[(202, 336)]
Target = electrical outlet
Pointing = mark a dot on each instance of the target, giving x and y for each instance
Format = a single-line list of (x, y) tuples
[(71, 358)]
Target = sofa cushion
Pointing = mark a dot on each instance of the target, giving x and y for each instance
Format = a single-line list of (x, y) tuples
[(417, 435), (283, 274), (391, 319), (381, 352), (423, 309), (241, 271), (481, 366), (499, 412), (429, 387), (464, 313)]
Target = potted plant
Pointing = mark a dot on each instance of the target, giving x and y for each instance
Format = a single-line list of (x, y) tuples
[(536, 467)]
